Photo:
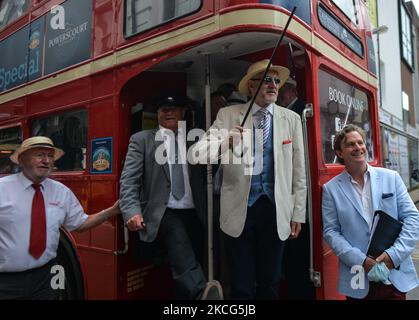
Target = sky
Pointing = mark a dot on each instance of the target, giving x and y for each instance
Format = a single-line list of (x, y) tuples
[(416, 3)]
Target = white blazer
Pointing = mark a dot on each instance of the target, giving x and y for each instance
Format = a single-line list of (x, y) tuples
[(290, 175)]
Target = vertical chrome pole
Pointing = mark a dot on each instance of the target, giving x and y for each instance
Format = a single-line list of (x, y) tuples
[(209, 170), (308, 112)]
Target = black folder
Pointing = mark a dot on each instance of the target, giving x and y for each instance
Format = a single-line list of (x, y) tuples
[(385, 234)]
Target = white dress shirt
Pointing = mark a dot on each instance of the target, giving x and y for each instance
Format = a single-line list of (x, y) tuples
[(365, 199), (187, 201), (364, 196), (16, 195)]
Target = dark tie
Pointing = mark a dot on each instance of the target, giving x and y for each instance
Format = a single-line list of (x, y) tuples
[(38, 238), (178, 185)]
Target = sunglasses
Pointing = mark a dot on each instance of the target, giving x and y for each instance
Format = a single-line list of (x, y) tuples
[(268, 80)]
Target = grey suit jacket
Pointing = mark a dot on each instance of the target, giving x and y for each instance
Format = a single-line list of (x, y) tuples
[(145, 184)]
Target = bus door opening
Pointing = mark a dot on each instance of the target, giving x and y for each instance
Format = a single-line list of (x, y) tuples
[(209, 74)]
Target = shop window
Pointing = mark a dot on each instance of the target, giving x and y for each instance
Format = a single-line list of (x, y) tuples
[(10, 139), (340, 104), (68, 131), (413, 163), (400, 154), (390, 149)]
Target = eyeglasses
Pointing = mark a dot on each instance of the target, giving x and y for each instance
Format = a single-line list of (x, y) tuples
[(268, 80)]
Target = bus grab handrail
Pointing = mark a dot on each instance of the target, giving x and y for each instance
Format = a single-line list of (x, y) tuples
[(308, 113)]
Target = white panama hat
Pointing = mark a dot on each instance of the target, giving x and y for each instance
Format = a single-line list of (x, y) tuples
[(258, 67), (36, 142)]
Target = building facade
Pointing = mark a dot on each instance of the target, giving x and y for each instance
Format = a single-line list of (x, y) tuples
[(398, 85)]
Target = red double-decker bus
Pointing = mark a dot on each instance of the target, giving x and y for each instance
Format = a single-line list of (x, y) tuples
[(84, 72)]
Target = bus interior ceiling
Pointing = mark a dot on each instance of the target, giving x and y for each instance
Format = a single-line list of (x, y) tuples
[(229, 57)]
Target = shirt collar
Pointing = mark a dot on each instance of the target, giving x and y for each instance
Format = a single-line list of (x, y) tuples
[(166, 131), (292, 103), (28, 183), (256, 108), (367, 174)]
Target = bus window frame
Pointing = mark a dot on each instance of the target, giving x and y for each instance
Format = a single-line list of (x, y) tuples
[(12, 125), (59, 113), (347, 79), (157, 26), (39, 3), (356, 22), (347, 28), (22, 132), (24, 14)]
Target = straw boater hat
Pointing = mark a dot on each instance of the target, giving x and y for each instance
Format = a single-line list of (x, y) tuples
[(36, 142), (258, 67)]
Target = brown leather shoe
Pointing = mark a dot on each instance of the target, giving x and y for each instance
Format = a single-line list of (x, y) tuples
[(213, 291)]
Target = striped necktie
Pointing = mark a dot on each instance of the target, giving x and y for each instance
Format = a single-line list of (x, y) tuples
[(264, 124)]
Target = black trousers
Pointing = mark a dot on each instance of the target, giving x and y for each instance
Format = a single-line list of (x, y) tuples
[(34, 284), (255, 257), (181, 234), (296, 265)]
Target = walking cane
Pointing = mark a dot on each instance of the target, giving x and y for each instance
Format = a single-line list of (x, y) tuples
[(268, 66)]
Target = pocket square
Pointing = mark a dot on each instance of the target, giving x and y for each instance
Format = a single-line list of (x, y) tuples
[(386, 195), (286, 141)]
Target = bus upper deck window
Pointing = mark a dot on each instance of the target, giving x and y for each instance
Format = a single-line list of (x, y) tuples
[(68, 131), (340, 104), (10, 10), (348, 7), (10, 139), (142, 15)]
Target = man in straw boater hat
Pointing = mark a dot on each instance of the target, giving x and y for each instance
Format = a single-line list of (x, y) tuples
[(32, 209), (262, 206)]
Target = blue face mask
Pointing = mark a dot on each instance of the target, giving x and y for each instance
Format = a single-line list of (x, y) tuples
[(379, 273)]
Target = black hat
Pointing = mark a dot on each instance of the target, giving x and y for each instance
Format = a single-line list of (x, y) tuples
[(171, 100)]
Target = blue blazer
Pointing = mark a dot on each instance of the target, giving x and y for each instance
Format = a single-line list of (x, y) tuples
[(347, 232)]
